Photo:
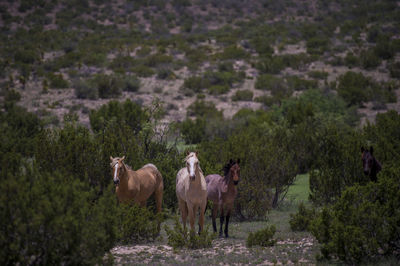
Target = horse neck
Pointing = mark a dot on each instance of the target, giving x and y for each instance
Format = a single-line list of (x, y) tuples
[(199, 177), (229, 181), (124, 178)]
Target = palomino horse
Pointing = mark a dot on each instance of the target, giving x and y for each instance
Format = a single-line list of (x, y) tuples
[(222, 192), (137, 186), (371, 166), (191, 191)]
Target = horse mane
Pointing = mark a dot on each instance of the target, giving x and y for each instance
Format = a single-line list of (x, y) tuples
[(228, 166)]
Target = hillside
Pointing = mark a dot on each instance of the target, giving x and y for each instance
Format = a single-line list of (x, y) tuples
[(67, 57)]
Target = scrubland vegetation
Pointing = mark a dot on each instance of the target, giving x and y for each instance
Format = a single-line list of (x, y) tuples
[(56, 193)]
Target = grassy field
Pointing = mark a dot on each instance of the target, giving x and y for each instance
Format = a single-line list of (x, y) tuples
[(299, 248)]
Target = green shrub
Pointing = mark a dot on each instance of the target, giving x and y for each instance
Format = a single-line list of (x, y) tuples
[(179, 237), (271, 64), (218, 89), (318, 74), (299, 84), (317, 45), (126, 113), (108, 86), (369, 60), (49, 218), (353, 87), (85, 90), (351, 60), (136, 224), (263, 237), (143, 71), (243, 95), (130, 83), (57, 81), (394, 69), (233, 52), (301, 220), (363, 225), (269, 82)]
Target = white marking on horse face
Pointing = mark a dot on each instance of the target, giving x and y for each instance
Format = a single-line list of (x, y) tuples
[(116, 179), (191, 166)]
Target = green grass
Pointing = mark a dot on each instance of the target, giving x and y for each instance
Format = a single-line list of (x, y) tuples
[(299, 191)]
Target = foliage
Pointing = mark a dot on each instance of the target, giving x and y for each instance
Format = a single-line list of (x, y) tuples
[(84, 90), (353, 87), (362, 225), (108, 86), (48, 218), (128, 113), (136, 224), (178, 237), (263, 237), (243, 95), (57, 81), (301, 220)]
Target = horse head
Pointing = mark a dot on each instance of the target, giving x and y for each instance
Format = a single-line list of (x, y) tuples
[(367, 160), (192, 164), (232, 169), (117, 167)]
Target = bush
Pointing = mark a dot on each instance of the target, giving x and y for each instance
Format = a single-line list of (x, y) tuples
[(363, 225), (351, 60), (263, 237), (57, 81), (108, 86), (353, 87), (85, 90), (243, 95), (317, 45), (369, 60), (137, 224), (179, 238), (130, 83), (318, 74), (126, 113), (218, 89), (394, 69), (302, 219), (48, 218)]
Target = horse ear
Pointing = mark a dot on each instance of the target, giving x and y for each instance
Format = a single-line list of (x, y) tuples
[(362, 149), (111, 158), (230, 161), (187, 152), (197, 153), (123, 158), (238, 161), (371, 150)]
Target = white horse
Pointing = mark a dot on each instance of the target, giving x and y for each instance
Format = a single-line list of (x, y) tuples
[(191, 191)]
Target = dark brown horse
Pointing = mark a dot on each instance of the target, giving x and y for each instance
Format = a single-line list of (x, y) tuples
[(371, 166), (222, 192)]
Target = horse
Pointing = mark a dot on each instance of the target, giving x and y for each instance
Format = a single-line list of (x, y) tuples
[(139, 185), (191, 191), (222, 192), (371, 166)]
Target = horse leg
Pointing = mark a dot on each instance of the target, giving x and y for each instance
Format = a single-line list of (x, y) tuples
[(201, 217), (228, 214), (221, 220), (191, 208), (214, 216), (184, 212), (158, 196)]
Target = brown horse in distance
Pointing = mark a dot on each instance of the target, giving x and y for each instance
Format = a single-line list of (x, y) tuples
[(139, 185), (371, 166), (222, 192)]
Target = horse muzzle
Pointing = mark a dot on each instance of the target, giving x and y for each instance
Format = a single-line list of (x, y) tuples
[(116, 182), (192, 178), (235, 182)]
